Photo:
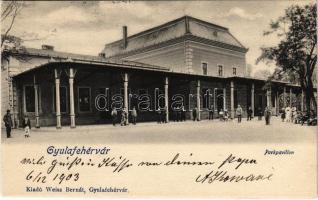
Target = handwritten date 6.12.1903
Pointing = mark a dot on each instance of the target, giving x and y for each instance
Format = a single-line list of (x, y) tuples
[(40, 177)]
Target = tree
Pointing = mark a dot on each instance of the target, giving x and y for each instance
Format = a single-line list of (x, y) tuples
[(295, 56), (9, 12)]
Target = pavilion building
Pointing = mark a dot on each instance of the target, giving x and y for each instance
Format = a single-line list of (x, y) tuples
[(185, 62)]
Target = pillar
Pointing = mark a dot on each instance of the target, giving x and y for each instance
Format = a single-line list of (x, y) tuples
[(126, 96), (72, 110), (302, 100), (36, 104), (290, 97), (167, 99), (57, 99), (277, 103), (252, 98), (224, 98), (284, 97), (198, 99), (269, 97), (232, 99)]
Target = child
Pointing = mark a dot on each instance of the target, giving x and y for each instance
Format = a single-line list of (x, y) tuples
[(226, 115), (123, 117), (27, 126)]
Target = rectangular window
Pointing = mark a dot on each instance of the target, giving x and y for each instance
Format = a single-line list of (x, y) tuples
[(220, 68), (207, 100), (205, 68), (29, 98), (63, 99), (84, 99), (218, 99), (234, 71)]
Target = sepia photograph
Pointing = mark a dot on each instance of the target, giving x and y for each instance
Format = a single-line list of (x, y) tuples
[(176, 86)]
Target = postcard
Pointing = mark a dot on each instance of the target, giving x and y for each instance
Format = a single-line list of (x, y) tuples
[(159, 99)]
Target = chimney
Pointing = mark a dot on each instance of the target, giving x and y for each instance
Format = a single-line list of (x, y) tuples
[(47, 47), (103, 55), (124, 37)]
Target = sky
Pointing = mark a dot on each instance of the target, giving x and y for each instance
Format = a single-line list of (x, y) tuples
[(86, 26)]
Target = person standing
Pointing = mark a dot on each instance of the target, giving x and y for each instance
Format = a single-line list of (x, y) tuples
[(114, 116), (164, 113), (175, 113), (183, 114), (26, 124), (283, 115), (226, 115), (221, 115), (293, 114), (134, 115), (239, 112), (123, 121), (211, 112), (8, 123), (249, 113), (260, 113), (267, 113), (288, 114), (194, 114), (179, 114), (159, 113)]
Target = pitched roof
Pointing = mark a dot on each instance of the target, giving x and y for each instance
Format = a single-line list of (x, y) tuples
[(171, 30), (52, 53), (63, 57)]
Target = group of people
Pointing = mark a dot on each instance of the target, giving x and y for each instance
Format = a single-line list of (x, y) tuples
[(124, 116), (224, 114), (288, 114), (26, 124), (179, 114), (291, 114)]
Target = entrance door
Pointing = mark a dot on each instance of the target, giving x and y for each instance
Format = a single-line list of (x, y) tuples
[(219, 99)]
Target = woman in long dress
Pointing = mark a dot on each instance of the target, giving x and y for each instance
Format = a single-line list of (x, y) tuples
[(288, 114)]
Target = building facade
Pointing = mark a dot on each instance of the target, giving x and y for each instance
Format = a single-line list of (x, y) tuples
[(186, 45), (184, 63)]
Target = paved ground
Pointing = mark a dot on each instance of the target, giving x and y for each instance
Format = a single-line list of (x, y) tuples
[(173, 132)]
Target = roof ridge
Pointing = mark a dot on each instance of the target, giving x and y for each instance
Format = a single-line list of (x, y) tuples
[(168, 24), (61, 52)]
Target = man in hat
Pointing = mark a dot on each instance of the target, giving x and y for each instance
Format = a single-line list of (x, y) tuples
[(8, 123)]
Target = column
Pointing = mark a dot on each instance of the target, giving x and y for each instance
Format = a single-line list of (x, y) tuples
[(302, 100), (167, 99), (290, 97), (269, 98), (72, 110), (224, 98), (232, 99), (36, 103), (284, 97), (126, 96), (198, 99), (252, 98), (277, 103), (57, 99)]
